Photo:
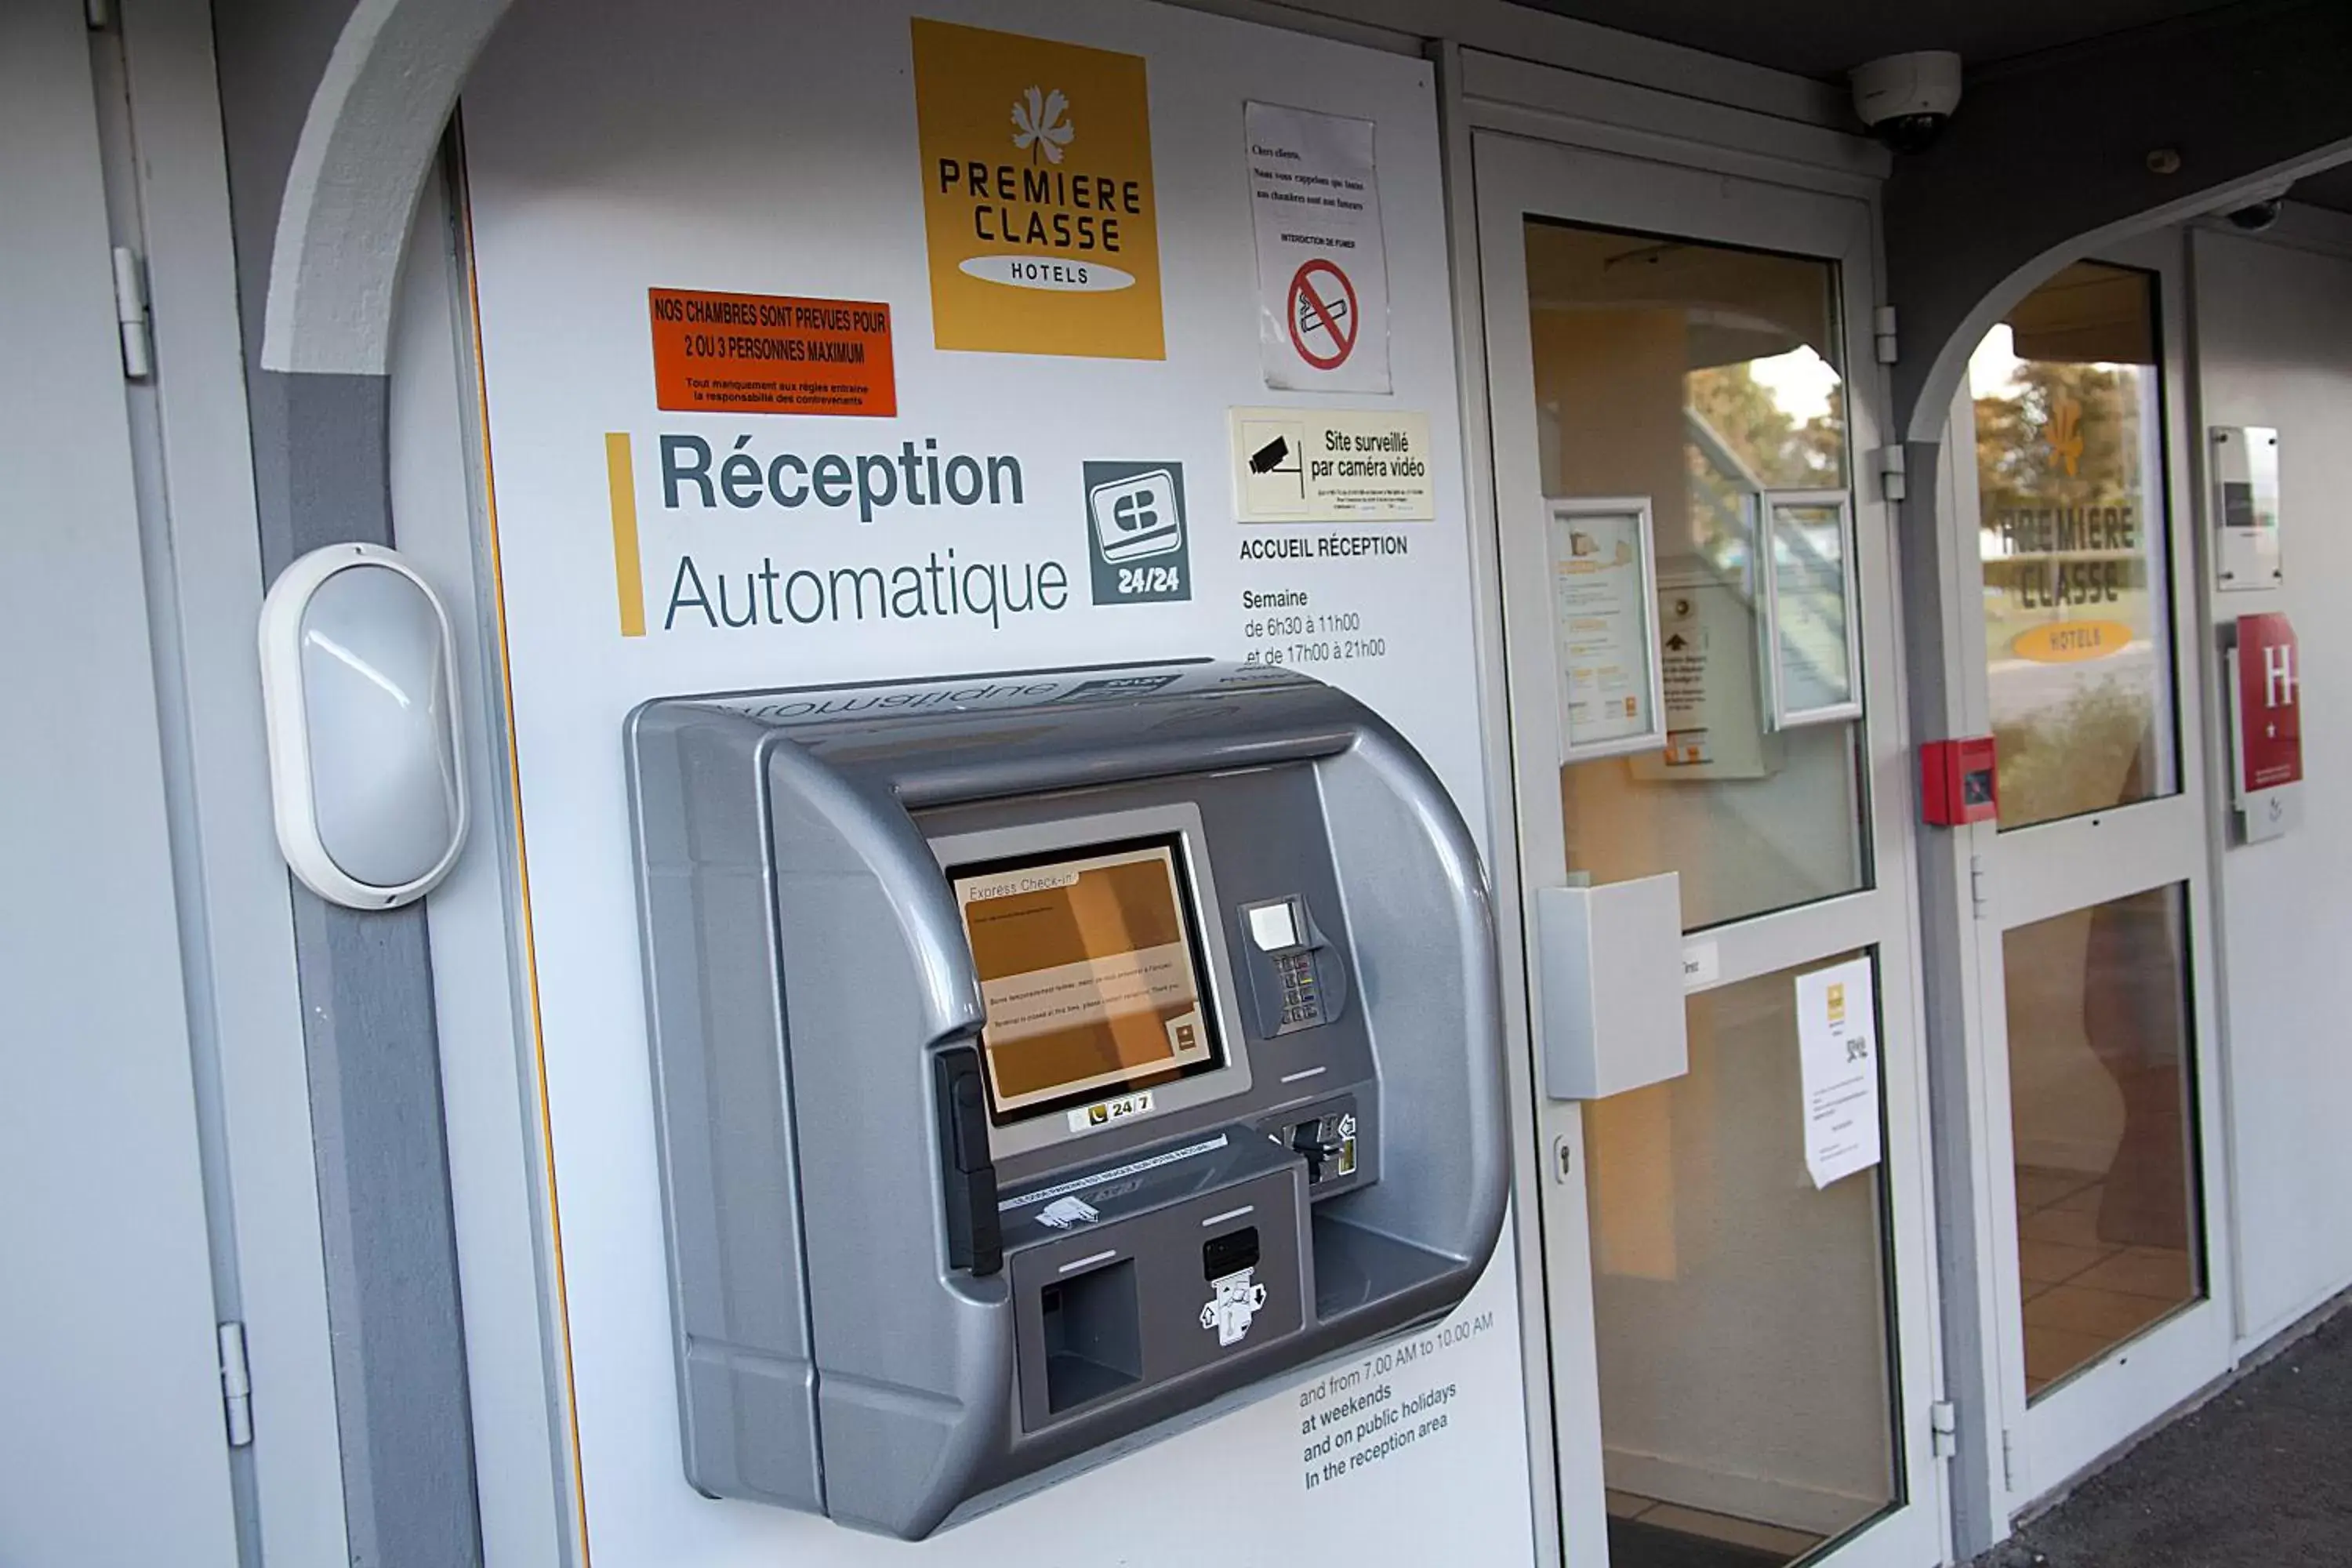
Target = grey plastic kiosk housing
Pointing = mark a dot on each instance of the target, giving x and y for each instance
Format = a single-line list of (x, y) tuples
[(898, 1302)]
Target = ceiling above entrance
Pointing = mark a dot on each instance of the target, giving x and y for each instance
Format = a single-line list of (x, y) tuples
[(1823, 38), (2328, 188)]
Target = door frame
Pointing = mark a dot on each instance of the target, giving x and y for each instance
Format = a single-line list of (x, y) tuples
[(2027, 1453), (198, 581), (119, 1083), (1805, 168)]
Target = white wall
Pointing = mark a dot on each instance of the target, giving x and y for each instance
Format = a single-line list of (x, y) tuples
[(112, 1447), (2273, 346)]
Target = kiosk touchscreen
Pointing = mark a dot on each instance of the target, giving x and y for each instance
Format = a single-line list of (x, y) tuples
[(1090, 971), (1044, 1062)]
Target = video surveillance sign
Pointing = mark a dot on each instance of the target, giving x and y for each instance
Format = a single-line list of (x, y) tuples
[(1135, 532), (1331, 465)]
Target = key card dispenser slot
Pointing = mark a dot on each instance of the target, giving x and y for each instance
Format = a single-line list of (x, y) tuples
[(1297, 978), (975, 1234)]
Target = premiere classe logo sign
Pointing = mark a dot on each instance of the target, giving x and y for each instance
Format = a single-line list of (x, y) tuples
[(1038, 194)]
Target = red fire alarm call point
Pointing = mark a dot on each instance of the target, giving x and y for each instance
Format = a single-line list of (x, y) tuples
[(1957, 784)]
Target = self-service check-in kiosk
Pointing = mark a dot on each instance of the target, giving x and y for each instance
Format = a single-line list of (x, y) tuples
[(1043, 1061)]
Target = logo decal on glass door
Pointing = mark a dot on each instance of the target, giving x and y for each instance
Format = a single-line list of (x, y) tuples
[(2064, 434)]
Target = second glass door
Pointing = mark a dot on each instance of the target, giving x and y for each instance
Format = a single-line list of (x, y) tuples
[(2094, 1014)]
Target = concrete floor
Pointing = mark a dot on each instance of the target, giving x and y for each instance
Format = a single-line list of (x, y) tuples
[(2261, 1477)]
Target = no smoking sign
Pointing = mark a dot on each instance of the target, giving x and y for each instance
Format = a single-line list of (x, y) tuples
[(1322, 259), (1324, 317)]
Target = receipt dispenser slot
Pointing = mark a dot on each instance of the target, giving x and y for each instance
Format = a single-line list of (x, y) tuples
[(1092, 1334), (1043, 1060)]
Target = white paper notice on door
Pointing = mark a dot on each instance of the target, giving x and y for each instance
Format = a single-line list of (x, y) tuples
[(1837, 1038)]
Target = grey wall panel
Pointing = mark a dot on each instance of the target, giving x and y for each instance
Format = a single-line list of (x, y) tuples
[(320, 446), (271, 56), (384, 1198)]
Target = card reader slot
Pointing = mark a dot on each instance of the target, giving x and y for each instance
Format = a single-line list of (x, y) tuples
[(975, 1234)]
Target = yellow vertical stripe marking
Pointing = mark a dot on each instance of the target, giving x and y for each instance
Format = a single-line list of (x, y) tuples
[(628, 573), (571, 1433)]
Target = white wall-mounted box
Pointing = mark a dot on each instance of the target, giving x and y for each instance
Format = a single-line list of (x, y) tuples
[(1611, 971)]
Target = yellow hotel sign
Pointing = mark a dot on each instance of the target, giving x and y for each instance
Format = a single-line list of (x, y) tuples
[(2071, 642), (1037, 200)]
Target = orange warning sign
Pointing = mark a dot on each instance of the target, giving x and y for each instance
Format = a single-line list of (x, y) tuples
[(771, 354)]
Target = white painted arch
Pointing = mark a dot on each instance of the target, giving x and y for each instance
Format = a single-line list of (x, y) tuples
[(368, 139)]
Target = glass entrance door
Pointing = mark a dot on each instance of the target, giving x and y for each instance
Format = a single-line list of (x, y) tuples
[(1697, 619), (2093, 875)]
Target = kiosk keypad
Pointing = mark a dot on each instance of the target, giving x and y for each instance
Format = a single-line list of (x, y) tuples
[(1295, 972), (1301, 1002)]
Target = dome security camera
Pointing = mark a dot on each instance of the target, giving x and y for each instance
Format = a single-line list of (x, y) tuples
[(1905, 99), (2256, 216), (2259, 211)]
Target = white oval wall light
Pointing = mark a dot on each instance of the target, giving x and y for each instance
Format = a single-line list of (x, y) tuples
[(359, 686)]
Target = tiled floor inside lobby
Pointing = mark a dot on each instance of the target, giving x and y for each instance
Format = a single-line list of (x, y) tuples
[(1646, 1533), (2085, 1292)]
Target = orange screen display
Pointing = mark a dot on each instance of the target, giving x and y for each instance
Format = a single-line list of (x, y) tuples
[(1089, 973)]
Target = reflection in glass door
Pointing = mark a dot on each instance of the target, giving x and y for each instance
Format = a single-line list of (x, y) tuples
[(2072, 532), (2101, 1112), (1704, 378), (2096, 870), (1757, 1339)]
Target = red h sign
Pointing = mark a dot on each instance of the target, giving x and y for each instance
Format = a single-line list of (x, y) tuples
[(2270, 703)]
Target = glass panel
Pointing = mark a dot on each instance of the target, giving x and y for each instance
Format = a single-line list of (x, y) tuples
[(2103, 1122), (1747, 1382), (1700, 376), (2071, 530)]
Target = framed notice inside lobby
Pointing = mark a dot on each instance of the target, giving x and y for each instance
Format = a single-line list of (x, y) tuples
[(1604, 595)]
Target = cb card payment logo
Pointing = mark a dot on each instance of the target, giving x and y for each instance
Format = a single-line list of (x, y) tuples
[(1135, 532)]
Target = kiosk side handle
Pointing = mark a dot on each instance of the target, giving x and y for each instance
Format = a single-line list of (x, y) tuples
[(975, 1238)]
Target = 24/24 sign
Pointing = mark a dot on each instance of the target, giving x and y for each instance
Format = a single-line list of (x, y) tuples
[(1136, 541)]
